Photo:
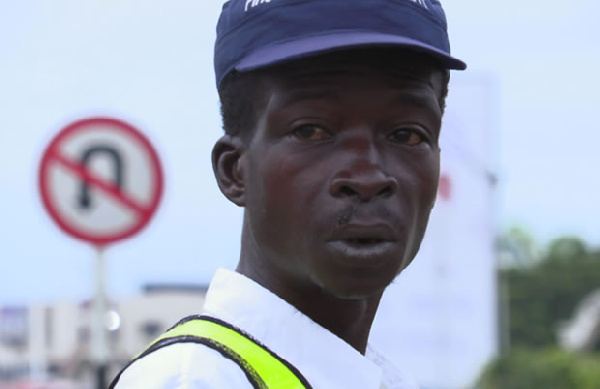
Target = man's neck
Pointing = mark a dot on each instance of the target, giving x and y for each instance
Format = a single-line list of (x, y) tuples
[(349, 319)]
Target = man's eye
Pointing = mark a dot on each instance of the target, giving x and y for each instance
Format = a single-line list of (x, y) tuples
[(408, 137), (311, 132)]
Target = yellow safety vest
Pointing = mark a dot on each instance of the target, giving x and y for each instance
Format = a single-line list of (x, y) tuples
[(263, 368)]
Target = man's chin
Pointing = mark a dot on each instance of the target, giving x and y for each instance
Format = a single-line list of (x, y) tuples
[(354, 290)]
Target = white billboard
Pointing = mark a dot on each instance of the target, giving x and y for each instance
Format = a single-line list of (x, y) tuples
[(438, 320)]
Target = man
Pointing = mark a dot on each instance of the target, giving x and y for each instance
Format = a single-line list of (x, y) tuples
[(332, 111)]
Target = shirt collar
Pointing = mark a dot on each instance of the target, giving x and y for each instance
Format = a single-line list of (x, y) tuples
[(323, 358)]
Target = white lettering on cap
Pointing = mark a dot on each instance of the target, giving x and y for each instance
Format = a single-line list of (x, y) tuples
[(254, 3), (421, 3)]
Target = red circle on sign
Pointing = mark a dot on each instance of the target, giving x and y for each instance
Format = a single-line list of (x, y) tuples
[(52, 155)]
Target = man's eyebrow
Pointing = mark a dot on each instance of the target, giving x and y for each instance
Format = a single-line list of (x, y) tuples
[(416, 100)]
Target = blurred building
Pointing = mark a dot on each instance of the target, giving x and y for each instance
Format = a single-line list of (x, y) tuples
[(45, 343)]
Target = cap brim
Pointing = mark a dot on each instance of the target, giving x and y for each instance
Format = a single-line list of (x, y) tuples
[(315, 45)]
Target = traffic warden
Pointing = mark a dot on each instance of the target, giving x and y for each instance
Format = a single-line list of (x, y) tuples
[(332, 111)]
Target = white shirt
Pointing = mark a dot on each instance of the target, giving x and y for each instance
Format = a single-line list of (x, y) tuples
[(326, 361)]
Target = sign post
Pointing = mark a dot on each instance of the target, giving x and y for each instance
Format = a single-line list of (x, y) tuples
[(99, 342), (101, 181)]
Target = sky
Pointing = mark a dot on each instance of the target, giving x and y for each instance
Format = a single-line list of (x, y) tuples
[(151, 65)]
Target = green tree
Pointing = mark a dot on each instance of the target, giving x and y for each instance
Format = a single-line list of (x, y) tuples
[(541, 369), (517, 248), (546, 294)]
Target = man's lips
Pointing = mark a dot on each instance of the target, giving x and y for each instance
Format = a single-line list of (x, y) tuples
[(364, 234), (363, 244)]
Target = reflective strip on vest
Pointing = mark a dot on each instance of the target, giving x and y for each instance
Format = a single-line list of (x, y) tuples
[(263, 368)]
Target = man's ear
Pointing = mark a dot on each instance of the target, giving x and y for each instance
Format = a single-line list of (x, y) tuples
[(226, 158)]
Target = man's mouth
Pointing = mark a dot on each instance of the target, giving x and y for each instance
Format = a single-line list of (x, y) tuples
[(363, 244), (362, 251), (364, 234), (363, 241)]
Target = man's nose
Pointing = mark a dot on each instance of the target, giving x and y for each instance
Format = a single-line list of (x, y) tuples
[(363, 180)]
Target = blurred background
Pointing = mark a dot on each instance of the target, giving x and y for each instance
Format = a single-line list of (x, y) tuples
[(505, 292)]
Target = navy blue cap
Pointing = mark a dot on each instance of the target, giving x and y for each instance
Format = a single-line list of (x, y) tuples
[(252, 34)]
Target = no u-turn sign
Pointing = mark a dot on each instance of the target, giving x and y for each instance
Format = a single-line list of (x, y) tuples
[(101, 180)]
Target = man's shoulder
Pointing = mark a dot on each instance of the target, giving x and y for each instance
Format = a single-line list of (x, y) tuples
[(183, 365)]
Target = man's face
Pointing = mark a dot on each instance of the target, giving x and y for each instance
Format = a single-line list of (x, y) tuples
[(342, 170)]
